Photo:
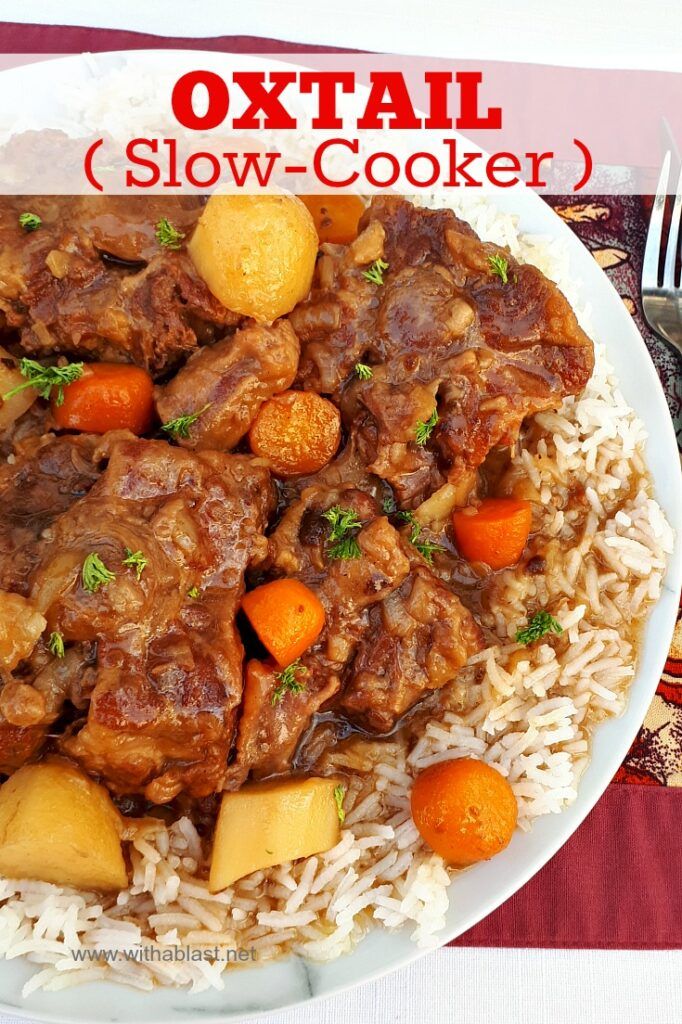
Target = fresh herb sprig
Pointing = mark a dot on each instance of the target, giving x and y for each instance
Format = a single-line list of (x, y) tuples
[(500, 267), (167, 235), (423, 430), (45, 378), (193, 592), (389, 506), (95, 574), (135, 560), (538, 626), (287, 681), (363, 371), (339, 793), (344, 523), (56, 645), (29, 222), (375, 274), (179, 427), (408, 517), (341, 520), (345, 549), (426, 548)]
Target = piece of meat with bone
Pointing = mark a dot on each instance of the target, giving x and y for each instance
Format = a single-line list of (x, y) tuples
[(21, 707), (229, 381), (270, 728), (46, 475), (150, 566), (274, 717), (93, 281), (462, 340), (32, 701), (418, 640)]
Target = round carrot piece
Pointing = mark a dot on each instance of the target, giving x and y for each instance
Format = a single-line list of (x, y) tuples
[(495, 533), (286, 616), (297, 432), (336, 216), (464, 809), (109, 396)]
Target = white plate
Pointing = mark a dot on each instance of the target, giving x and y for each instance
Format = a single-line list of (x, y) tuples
[(478, 891)]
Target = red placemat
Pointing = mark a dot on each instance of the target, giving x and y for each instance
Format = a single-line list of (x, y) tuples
[(616, 884), (75, 39)]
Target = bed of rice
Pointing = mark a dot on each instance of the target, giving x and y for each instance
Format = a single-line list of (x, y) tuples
[(532, 717)]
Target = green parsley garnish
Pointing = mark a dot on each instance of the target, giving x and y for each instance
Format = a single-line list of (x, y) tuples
[(29, 222), (345, 549), (389, 506), (339, 793), (135, 560), (375, 274), (167, 235), (541, 624), (499, 266), (193, 592), (44, 378), (95, 573), (288, 683), (344, 522), (363, 371), (56, 645), (423, 431), (426, 548), (180, 427)]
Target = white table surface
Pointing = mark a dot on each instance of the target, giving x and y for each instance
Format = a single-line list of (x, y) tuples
[(451, 986), (506, 986)]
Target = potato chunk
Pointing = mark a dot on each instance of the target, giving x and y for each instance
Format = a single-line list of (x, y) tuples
[(20, 626), (256, 253), (59, 826), (268, 823)]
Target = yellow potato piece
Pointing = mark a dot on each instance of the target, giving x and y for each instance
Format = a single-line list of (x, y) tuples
[(59, 826), (271, 822), (256, 253)]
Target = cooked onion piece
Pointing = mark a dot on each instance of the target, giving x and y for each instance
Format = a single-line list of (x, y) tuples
[(436, 509), (20, 626), (10, 378)]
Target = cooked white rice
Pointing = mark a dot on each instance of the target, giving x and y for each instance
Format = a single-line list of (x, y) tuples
[(531, 717)]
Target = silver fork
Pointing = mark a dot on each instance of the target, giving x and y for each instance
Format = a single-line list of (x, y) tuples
[(662, 302)]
